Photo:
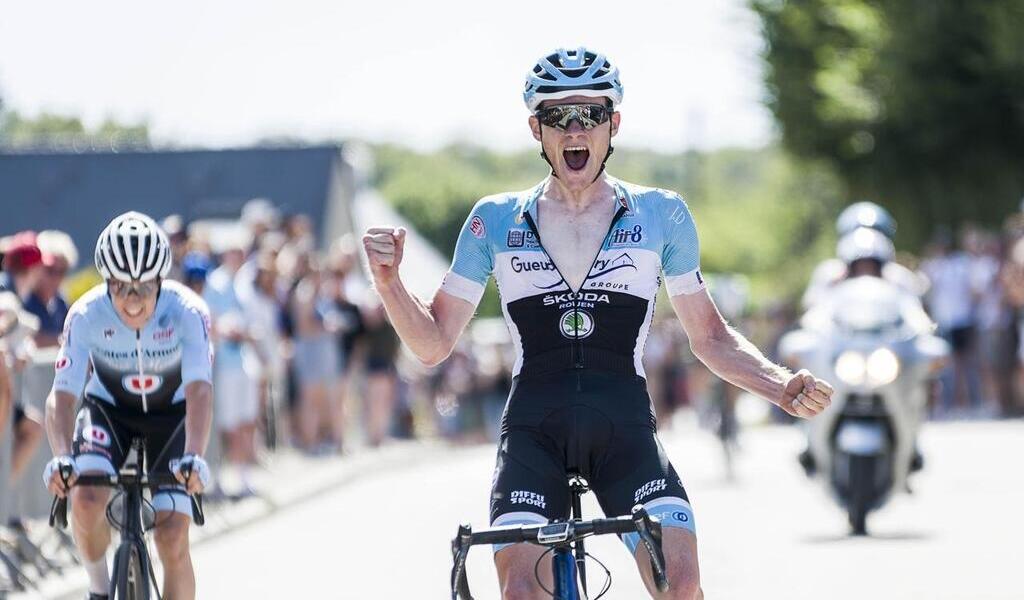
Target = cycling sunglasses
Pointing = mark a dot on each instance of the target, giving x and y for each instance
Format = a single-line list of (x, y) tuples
[(561, 115), (143, 289)]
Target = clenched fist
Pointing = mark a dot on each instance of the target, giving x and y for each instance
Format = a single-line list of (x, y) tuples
[(384, 247), (805, 395)]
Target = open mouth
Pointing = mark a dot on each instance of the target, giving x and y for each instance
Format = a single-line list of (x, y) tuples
[(576, 157), (133, 311)]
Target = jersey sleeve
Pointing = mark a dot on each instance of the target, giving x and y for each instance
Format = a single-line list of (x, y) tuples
[(680, 254), (196, 347), (473, 261), (72, 366)]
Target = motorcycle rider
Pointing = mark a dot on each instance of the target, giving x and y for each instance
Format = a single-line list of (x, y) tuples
[(869, 252), (865, 216)]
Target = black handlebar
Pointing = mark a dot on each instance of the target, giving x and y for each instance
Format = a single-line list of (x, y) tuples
[(59, 506), (559, 534)]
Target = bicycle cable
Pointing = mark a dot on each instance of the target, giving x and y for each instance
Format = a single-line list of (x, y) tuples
[(607, 573)]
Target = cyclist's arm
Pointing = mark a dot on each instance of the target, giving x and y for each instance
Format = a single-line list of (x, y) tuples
[(430, 330), (196, 376), (70, 373), (725, 351)]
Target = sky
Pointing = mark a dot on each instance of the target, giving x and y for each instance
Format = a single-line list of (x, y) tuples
[(423, 74)]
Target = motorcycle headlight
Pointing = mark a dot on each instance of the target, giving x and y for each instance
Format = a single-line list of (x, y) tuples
[(851, 367), (882, 366)]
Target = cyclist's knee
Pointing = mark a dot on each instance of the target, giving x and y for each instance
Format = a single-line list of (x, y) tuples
[(171, 537), (683, 578), (89, 504)]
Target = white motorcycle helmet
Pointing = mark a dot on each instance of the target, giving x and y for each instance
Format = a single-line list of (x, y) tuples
[(133, 248), (865, 243)]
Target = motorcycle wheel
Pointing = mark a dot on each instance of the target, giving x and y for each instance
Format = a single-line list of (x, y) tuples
[(862, 483)]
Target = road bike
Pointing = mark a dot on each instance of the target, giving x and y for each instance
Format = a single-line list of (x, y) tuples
[(132, 515), (564, 541)]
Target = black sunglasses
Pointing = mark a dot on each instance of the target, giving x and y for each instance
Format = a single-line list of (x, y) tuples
[(561, 115), (121, 289)]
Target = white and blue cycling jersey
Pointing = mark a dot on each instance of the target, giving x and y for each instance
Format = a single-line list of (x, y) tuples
[(602, 325), (141, 370)]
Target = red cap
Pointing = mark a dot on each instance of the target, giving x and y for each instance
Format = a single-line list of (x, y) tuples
[(22, 252)]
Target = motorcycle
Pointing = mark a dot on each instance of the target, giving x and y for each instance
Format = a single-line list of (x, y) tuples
[(874, 343)]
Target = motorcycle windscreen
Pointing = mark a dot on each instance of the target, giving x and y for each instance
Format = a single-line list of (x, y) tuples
[(861, 439)]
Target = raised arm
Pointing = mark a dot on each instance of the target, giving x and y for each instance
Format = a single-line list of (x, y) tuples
[(431, 329)]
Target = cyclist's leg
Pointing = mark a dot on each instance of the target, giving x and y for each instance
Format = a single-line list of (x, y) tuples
[(637, 471), (99, 445), (165, 441), (529, 487)]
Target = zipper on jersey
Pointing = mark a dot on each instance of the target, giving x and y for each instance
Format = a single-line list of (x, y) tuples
[(577, 357), (142, 375)]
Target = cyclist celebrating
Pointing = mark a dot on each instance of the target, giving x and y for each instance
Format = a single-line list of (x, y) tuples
[(145, 342), (578, 260)]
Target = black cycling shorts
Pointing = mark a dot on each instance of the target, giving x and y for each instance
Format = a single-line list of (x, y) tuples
[(103, 438), (597, 424)]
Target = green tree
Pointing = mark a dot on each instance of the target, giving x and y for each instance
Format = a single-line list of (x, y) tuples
[(918, 104), (17, 131)]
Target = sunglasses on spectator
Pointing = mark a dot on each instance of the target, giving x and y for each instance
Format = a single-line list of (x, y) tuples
[(561, 116), (143, 289)]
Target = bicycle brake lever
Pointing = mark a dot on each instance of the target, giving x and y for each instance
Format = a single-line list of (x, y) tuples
[(59, 506), (460, 552), (649, 530)]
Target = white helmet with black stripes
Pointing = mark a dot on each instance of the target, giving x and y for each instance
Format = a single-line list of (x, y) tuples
[(133, 248)]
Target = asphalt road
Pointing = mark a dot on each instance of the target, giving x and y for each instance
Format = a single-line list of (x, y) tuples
[(771, 534)]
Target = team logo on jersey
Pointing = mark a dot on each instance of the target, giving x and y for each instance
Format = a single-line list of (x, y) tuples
[(518, 238), (145, 384), (627, 236), (576, 324), (476, 225), (95, 434), (108, 333), (62, 363), (604, 266), (163, 334)]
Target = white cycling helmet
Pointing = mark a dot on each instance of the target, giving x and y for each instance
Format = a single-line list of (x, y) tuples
[(578, 72), (133, 248)]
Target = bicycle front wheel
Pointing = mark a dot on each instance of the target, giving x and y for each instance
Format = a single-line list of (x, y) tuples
[(130, 580)]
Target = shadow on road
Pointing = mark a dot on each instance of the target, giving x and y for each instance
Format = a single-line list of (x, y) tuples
[(892, 536)]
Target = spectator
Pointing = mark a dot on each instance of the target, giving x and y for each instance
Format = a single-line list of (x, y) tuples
[(263, 308), (46, 300), (382, 345), (16, 329), (236, 368), (23, 266), (951, 303), (195, 268), (174, 227), (316, 362)]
